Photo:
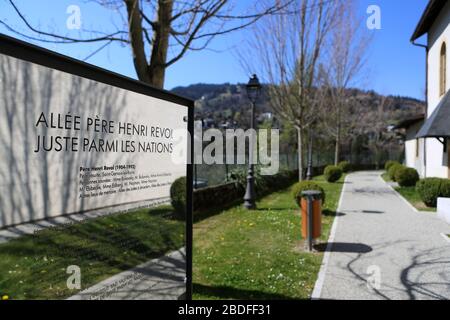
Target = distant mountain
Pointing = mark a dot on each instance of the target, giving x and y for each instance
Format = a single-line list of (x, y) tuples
[(225, 104), (217, 97)]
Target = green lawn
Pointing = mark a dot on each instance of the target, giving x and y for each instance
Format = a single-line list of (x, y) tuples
[(34, 266), (410, 194), (386, 177), (238, 254), (242, 254)]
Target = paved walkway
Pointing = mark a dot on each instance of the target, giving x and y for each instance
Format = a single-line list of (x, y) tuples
[(159, 279), (380, 248)]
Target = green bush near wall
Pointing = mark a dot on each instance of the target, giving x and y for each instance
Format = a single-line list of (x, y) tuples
[(229, 193), (332, 173), (300, 187), (269, 184), (406, 177), (430, 189), (217, 196), (265, 184), (393, 170), (224, 195), (389, 164), (345, 166)]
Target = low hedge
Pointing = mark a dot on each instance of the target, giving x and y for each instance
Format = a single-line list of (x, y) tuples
[(226, 194), (265, 184), (205, 198), (406, 177), (217, 196), (332, 173), (345, 166), (389, 164), (300, 187), (430, 189), (393, 170), (268, 184)]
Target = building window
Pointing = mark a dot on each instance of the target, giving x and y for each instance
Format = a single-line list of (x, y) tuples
[(443, 70)]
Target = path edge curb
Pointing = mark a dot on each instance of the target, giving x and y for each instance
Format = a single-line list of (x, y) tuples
[(317, 291), (399, 195)]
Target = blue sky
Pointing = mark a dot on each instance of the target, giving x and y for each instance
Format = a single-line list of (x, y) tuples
[(395, 66)]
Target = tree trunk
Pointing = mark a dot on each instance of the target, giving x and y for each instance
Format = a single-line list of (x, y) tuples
[(157, 67), (350, 148), (337, 149), (287, 161), (136, 40), (300, 154)]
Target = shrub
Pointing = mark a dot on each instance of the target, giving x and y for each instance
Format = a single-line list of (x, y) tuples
[(430, 189), (393, 170), (239, 175), (264, 184), (217, 196), (406, 177), (389, 164), (332, 173), (267, 184), (300, 187), (178, 197), (221, 196), (445, 188), (345, 166)]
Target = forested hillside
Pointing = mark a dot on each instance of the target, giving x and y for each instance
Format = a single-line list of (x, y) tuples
[(228, 103)]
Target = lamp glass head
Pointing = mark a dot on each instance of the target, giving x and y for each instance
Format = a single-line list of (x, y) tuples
[(253, 88)]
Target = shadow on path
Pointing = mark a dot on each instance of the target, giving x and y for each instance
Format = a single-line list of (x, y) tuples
[(344, 247), (329, 213)]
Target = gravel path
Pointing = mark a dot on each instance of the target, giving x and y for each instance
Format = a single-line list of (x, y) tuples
[(380, 248)]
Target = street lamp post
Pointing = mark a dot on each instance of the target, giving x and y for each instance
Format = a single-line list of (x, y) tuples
[(198, 126), (253, 91), (309, 173)]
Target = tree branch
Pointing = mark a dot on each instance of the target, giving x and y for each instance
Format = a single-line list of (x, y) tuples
[(64, 39)]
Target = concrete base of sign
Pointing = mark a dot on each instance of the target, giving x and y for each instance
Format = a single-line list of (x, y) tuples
[(159, 279), (443, 209)]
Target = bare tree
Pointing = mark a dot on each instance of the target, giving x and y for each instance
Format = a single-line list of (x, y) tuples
[(346, 57), (380, 138), (152, 27), (285, 50)]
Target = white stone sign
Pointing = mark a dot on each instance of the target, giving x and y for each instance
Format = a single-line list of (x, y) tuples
[(69, 144)]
